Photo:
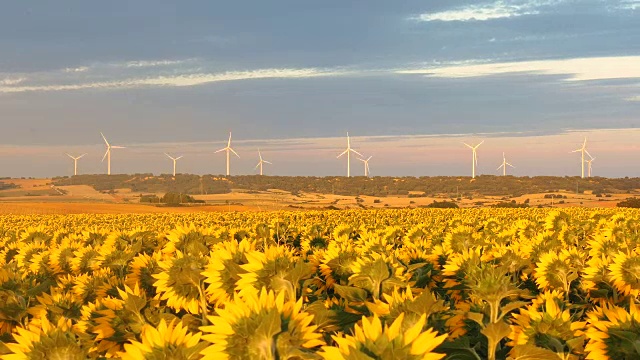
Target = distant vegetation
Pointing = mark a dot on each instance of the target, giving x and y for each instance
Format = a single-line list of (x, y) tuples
[(453, 187), (630, 203), (8, 186)]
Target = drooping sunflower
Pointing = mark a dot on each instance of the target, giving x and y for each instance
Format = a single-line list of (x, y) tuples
[(180, 282), (141, 271), (261, 326), (167, 341), (373, 340), (547, 323), (625, 273), (555, 272), (224, 268), (265, 269), (43, 340), (86, 259), (613, 333), (335, 266)]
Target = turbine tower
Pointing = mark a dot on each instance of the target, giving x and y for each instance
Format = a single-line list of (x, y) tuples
[(229, 150), (261, 162), (474, 160), (107, 155), (75, 163), (348, 152), (583, 150), (589, 163), (504, 165), (366, 166), (175, 160)]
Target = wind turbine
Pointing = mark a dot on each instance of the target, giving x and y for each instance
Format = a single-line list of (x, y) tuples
[(589, 162), (228, 149), (107, 155), (366, 165), (504, 165), (75, 163), (175, 160), (474, 160), (262, 161), (348, 152), (583, 150)]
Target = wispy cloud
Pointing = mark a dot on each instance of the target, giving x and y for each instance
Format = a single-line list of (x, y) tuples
[(630, 4), (489, 11), (12, 81), (580, 69), (173, 80)]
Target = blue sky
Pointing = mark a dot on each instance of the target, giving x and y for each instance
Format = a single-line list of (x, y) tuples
[(160, 75)]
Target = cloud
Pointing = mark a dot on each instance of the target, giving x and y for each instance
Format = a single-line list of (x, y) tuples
[(489, 11), (176, 80), (12, 81), (76, 69), (154, 63), (629, 5), (580, 69)]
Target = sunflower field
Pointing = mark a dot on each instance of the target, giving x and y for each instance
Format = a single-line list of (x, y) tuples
[(356, 285)]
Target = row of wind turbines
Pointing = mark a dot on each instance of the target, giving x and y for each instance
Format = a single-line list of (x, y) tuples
[(367, 172)]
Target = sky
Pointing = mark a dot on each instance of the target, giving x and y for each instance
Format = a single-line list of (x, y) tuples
[(410, 80)]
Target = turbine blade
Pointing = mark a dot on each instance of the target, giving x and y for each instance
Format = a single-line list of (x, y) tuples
[(169, 156), (267, 162), (105, 154), (179, 157), (220, 150), (481, 142), (105, 139), (356, 152), (71, 156), (118, 147), (81, 156), (233, 151), (344, 152), (467, 145), (369, 158), (511, 165), (585, 150), (229, 143), (500, 167), (257, 166), (363, 160)]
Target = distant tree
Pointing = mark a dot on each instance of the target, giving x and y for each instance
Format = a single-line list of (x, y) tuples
[(442, 205), (630, 203)]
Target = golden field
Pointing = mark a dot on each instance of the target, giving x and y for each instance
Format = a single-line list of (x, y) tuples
[(356, 284)]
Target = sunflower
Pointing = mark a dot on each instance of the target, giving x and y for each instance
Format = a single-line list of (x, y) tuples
[(167, 341), (113, 322), (86, 259), (555, 271), (261, 326), (224, 269), (546, 323), (625, 273), (378, 274), (265, 269), (335, 266), (57, 305), (461, 239), (189, 240), (613, 333), (141, 271), (372, 340), (42, 340), (408, 304), (180, 282)]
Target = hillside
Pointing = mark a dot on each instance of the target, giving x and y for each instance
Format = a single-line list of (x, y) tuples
[(485, 185)]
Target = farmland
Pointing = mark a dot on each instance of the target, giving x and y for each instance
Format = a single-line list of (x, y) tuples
[(355, 284)]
